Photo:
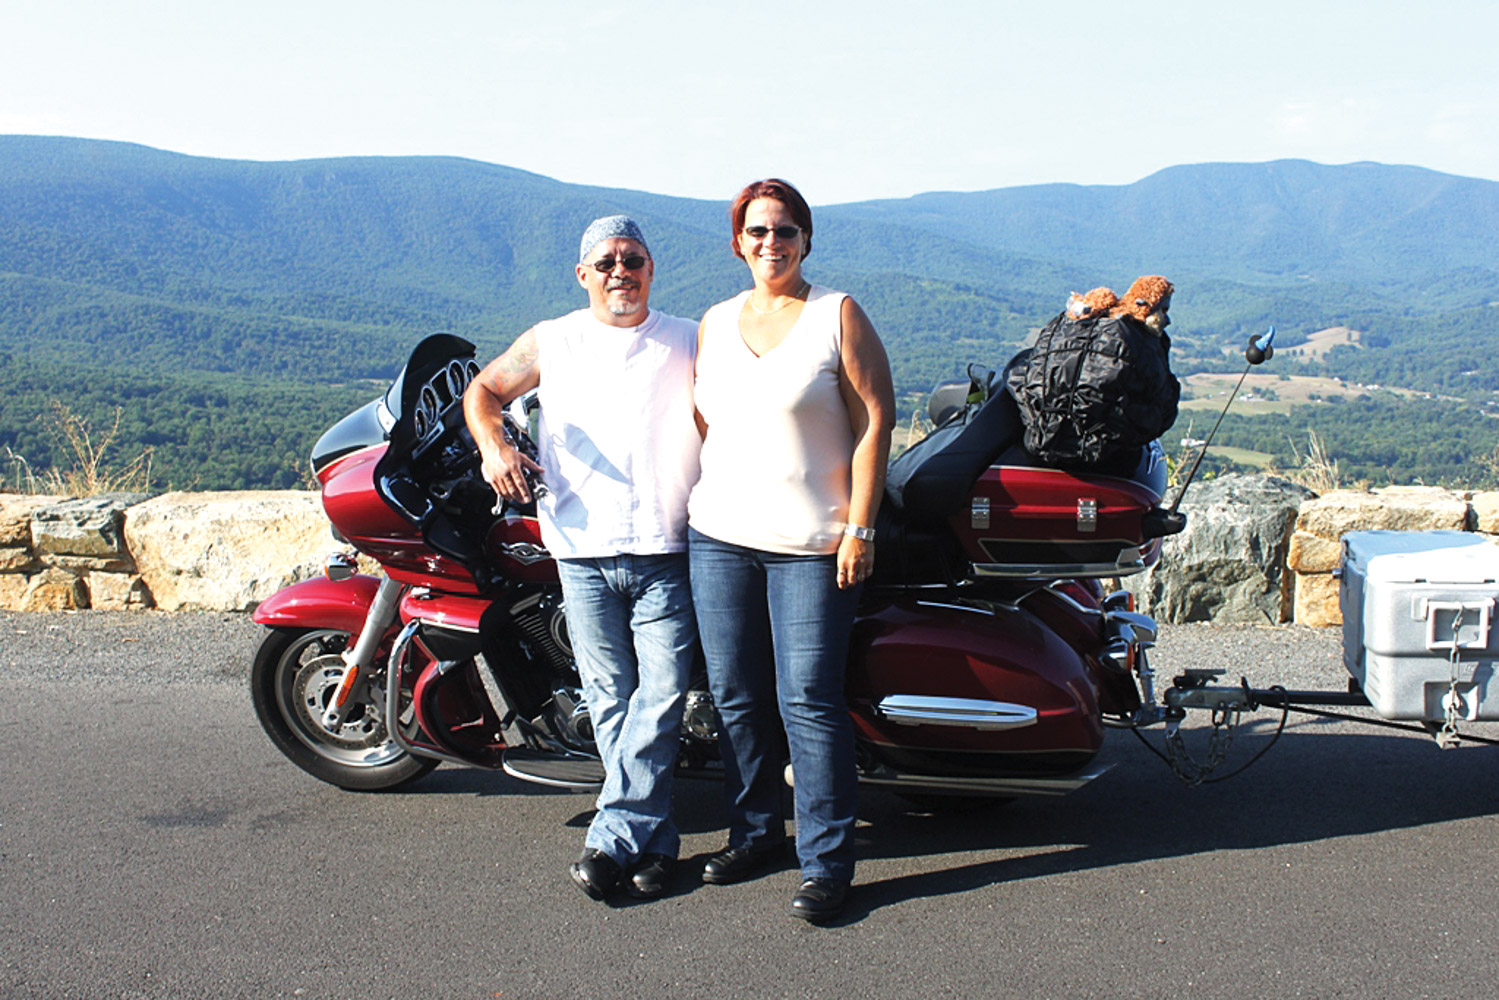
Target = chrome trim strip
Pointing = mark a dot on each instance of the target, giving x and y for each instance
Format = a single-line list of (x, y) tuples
[(956, 607), (967, 713), (1020, 571), (1017, 785), (437, 622)]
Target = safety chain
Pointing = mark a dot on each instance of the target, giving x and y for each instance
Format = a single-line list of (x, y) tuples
[(1184, 765), (1447, 737)]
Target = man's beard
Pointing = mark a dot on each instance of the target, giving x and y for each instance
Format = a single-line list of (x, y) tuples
[(624, 307)]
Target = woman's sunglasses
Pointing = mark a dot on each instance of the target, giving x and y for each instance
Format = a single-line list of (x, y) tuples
[(606, 264), (782, 232)]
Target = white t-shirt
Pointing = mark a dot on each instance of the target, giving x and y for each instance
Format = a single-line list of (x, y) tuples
[(777, 465), (617, 439)]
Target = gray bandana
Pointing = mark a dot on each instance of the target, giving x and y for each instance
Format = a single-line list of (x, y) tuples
[(609, 227)]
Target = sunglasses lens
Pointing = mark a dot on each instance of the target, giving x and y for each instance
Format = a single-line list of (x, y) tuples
[(606, 264), (782, 232)]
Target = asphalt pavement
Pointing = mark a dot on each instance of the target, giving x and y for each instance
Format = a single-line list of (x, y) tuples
[(154, 844)]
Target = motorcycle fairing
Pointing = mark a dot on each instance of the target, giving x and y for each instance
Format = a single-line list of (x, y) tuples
[(455, 714), (445, 611), (428, 474), (373, 527)]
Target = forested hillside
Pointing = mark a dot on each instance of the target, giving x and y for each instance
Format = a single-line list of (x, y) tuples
[(232, 308)]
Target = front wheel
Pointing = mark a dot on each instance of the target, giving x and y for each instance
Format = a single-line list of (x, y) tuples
[(295, 675)]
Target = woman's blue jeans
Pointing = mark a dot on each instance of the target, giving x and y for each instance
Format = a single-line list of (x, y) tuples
[(630, 619), (775, 630)]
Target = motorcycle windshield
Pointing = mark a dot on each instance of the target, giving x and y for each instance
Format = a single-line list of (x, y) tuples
[(361, 429)]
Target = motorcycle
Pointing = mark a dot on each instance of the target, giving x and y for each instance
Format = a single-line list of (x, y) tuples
[(986, 659)]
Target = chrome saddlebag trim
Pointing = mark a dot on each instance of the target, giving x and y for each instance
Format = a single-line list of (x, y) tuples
[(966, 713), (998, 786), (1130, 562)]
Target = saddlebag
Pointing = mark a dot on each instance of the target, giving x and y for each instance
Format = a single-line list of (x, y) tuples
[(1023, 519)]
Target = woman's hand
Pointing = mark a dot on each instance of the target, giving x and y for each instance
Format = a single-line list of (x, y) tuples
[(855, 561)]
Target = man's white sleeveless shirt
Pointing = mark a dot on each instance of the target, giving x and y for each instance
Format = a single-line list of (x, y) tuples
[(617, 437)]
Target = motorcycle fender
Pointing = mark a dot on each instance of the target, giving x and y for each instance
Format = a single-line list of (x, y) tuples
[(320, 603)]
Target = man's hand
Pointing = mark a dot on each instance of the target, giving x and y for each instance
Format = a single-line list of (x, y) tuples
[(508, 376), (505, 469)]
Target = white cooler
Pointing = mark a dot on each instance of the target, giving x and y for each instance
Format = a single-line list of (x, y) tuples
[(1402, 594)]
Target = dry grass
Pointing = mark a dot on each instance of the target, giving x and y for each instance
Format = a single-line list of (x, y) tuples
[(1313, 468), (91, 472)]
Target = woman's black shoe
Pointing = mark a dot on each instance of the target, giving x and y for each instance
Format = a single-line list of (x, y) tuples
[(819, 899), (596, 873), (650, 876), (734, 864)]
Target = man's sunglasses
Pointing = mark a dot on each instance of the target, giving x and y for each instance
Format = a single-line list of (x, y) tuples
[(782, 232), (606, 264)]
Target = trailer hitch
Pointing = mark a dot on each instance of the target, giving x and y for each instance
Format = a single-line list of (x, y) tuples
[(1193, 690)]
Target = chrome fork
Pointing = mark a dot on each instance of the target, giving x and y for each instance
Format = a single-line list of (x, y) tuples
[(359, 660)]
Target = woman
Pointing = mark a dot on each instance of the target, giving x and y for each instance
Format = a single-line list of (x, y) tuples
[(795, 405)]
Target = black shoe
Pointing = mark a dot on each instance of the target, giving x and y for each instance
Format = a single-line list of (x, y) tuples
[(819, 899), (734, 864), (650, 876), (596, 873)]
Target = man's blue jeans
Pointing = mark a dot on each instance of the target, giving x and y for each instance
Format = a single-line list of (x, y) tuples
[(633, 633), (775, 629)]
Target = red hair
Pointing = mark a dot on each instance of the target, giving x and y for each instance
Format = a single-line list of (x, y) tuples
[(778, 190)]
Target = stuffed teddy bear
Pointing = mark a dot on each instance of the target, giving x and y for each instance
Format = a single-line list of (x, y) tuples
[(1147, 300), (1095, 303)]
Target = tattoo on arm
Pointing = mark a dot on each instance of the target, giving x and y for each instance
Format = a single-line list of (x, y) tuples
[(520, 358)]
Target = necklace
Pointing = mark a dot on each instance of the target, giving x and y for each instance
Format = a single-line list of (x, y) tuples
[(795, 298)]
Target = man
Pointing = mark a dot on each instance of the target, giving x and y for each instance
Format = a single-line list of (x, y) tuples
[(618, 450)]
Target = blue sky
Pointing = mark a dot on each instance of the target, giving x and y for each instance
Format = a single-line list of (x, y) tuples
[(849, 100)]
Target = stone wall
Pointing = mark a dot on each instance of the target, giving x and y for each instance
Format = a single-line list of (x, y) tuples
[(1316, 549), (177, 551), (1257, 549)]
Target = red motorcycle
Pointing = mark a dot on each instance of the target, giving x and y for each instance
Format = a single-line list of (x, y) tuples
[(985, 661)]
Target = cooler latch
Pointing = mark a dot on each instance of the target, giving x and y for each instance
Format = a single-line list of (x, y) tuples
[(1459, 619), (1087, 515)]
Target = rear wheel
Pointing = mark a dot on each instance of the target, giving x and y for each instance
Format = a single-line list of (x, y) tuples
[(295, 675)]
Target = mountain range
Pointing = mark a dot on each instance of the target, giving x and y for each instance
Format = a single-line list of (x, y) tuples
[(130, 260)]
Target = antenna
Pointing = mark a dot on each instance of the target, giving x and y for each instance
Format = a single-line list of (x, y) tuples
[(1259, 350)]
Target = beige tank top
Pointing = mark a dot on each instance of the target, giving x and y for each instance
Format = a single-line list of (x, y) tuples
[(777, 461)]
